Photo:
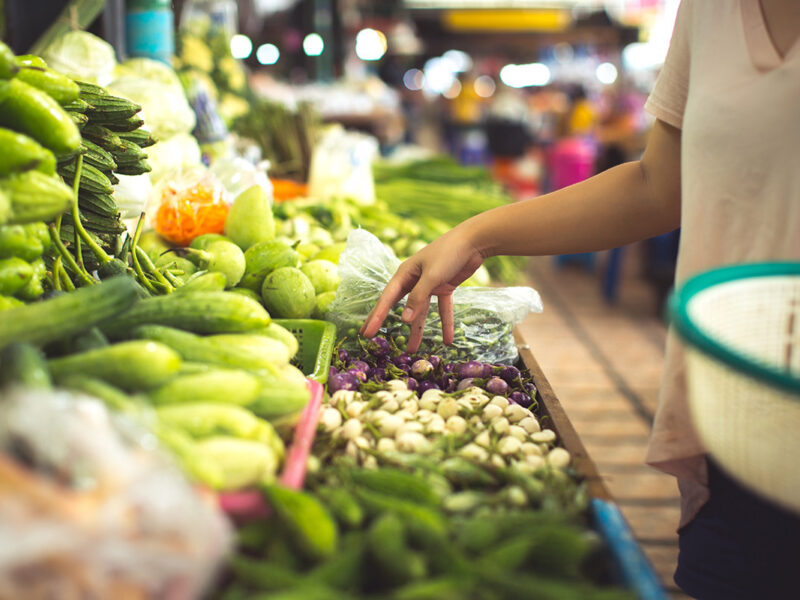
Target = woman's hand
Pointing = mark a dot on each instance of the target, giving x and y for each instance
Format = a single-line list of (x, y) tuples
[(436, 270)]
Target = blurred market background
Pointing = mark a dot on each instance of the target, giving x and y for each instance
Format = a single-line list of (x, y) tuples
[(406, 117)]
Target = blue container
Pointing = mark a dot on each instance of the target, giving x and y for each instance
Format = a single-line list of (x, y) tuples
[(150, 30)]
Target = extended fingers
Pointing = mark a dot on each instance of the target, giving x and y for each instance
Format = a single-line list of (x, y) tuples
[(420, 314), (445, 302), (399, 285)]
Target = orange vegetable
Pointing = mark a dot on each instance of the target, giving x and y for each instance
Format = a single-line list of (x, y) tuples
[(188, 212), (286, 189)]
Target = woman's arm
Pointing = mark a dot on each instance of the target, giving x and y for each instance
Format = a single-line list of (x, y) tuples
[(633, 201)]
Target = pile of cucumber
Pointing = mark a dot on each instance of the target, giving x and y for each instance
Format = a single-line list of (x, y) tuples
[(207, 372), (112, 142)]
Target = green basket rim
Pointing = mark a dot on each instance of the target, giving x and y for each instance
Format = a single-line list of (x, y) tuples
[(677, 308)]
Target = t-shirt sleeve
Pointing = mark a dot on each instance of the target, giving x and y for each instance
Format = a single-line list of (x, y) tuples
[(667, 101)]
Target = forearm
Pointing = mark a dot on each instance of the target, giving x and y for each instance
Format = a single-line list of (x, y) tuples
[(630, 202), (611, 209)]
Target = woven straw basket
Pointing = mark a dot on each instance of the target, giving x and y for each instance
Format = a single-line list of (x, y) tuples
[(741, 326)]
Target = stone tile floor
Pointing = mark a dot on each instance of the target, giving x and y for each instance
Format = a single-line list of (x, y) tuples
[(604, 363)]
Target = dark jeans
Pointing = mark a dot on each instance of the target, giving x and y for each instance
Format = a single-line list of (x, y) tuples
[(739, 546)]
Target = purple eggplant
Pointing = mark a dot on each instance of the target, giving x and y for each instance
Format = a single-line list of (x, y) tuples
[(332, 371), (378, 347), (450, 368), (424, 386), (421, 369), (411, 384), (508, 373), (530, 388), (402, 359), (343, 381), (405, 369), (343, 356), (435, 361), (474, 369), (520, 398), (377, 374), (382, 362), (497, 386), (359, 374)]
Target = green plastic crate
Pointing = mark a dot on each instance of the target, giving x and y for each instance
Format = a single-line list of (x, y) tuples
[(316, 340)]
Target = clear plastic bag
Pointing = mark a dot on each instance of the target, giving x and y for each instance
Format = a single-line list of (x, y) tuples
[(484, 316), (90, 508), (341, 166), (187, 204), (238, 174)]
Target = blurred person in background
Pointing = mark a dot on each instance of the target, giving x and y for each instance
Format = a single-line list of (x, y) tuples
[(721, 163)]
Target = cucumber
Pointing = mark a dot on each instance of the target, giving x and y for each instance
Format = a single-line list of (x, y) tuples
[(121, 125), (107, 108), (277, 331), (102, 137), (31, 60), (18, 152), (35, 196), (139, 167), (233, 386), (80, 119), (59, 87), (19, 241), (112, 396), (140, 137), (200, 312), (14, 275), (29, 110), (98, 157), (201, 349), (279, 401), (310, 525), (267, 348), (129, 153), (343, 506), (8, 62), (242, 463), (397, 564), (92, 179), (77, 105), (134, 365), (68, 314), (265, 576), (396, 483), (203, 281), (23, 364)]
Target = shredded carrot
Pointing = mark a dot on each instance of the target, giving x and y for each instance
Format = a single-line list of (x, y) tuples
[(186, 213)]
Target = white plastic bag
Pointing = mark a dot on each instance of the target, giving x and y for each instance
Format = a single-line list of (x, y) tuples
[(89, 508), (165, 109), (132, 193), (83, 56), (239, 174), (341, 166), (484, 316)]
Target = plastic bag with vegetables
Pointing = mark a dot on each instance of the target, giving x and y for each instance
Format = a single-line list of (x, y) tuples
[(484, 317), (89, 508), (185, 205)]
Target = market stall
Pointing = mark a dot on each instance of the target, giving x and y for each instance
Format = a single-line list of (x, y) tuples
[(187, 407)]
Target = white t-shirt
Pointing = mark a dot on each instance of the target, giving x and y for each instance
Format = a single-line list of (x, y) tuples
[(737, 102)]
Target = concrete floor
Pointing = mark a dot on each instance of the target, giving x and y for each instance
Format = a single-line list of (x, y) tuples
[(604, 363)]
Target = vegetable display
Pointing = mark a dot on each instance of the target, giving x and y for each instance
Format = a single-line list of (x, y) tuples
[(431, 475)]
